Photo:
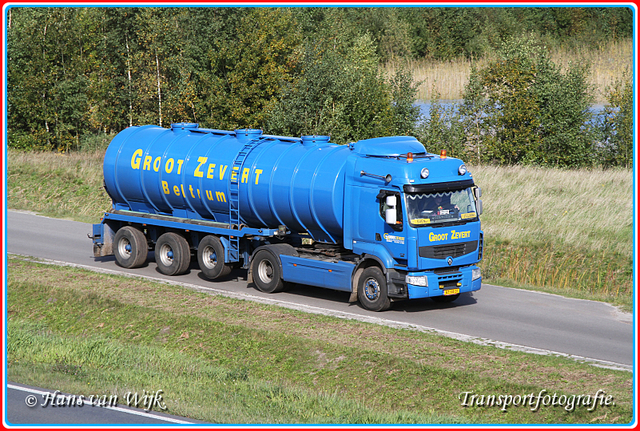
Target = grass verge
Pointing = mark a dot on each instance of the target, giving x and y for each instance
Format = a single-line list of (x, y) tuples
[(564, 231), (64, 185), (223, 360)]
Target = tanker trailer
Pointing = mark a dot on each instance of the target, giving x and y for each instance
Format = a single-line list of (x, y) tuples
[(380, 218)]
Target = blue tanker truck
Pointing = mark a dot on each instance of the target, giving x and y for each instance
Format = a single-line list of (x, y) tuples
[(379, 218)]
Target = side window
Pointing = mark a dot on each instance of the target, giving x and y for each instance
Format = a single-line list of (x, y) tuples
[(382, 197)]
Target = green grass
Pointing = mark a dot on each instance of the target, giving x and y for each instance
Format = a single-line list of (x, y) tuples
[(224, 360), (57, 185)]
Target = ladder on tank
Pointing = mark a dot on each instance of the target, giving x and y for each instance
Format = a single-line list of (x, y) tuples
[(234, 197)]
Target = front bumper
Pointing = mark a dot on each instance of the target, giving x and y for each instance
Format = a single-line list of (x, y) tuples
[(460, 278)]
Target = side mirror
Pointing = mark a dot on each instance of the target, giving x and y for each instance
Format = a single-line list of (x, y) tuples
[(478, 192), (390, 212), (479, 207)]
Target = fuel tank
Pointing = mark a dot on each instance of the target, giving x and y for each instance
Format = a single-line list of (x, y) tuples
[(206, 174)]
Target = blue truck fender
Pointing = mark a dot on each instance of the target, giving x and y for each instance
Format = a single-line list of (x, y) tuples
[(367, 261), (396, 287)]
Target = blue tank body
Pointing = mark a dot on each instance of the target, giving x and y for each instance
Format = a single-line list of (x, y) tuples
[(188, 172)]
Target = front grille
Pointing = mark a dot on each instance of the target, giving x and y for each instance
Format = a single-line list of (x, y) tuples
[(444, 251)]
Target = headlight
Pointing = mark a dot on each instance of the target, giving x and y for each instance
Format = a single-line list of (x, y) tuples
[(475, 274), (417, 280), (462, 169)]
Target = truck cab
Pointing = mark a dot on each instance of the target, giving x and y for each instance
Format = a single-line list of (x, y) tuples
[(417, 214)]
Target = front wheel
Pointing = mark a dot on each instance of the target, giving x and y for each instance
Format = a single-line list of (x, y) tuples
[(131, 247), (173, 255), (372, 290), (266, 272)]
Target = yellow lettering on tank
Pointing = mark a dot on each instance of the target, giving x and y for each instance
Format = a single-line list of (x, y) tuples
[(258, 172), (198, 193), (182, 188), (234, 174), (222, 170), (438, 237), (220, 197), (135, 159), (156, 164), (198, 173), (176, 190), (191, 191), (168, 166), (165, 187), (147, 163), (245, 175), (212, 166), (209, 194), (180, 162)]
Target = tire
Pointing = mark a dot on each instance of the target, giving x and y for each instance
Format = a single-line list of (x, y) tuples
[(173, 254), (266, 272), (372, 290), (446, 299), (130, 247), (211, 258)]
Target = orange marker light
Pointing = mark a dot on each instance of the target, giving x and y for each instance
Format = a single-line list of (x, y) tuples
[(443, 154), (409, 157)]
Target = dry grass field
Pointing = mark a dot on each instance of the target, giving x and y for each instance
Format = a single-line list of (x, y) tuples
[(448, 78)]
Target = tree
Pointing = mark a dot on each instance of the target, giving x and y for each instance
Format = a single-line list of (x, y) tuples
[(617, 146), (531, 111)]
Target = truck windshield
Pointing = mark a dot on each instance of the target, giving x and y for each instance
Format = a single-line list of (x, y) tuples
[(426, 209)]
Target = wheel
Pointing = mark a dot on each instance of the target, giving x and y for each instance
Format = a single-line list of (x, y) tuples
[(372, 290), (173, 255), (211, 258), (131, 247), (445, 299), (266, 272)]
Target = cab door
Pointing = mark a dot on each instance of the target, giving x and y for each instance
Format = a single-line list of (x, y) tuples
[(391, 232)]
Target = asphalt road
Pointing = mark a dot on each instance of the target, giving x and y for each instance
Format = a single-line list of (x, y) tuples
[(503, 316)]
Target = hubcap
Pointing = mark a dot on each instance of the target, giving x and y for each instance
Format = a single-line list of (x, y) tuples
[(166, 255), (371, 289), (209, 257), (265, 271), (124, 248)]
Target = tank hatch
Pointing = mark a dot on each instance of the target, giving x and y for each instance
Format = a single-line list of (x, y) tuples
[(392, 146)]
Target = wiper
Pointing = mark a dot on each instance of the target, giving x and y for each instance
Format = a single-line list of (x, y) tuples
[(452, 223)]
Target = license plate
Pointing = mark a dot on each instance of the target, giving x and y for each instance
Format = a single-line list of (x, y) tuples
[(451, 292)]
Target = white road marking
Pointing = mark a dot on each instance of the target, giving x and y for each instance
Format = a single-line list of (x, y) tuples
[(118, 409), (346, 315)]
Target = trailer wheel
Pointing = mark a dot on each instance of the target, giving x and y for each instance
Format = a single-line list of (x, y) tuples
[(130, 247), (211, 258), (266, 272), (173, 255), (372, 290)]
